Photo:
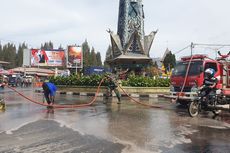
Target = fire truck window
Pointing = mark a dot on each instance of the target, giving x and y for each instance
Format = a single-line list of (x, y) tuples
[(181, 68), (211, 65)]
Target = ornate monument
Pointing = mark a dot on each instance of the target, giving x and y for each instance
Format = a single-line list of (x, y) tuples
[(130, 46)]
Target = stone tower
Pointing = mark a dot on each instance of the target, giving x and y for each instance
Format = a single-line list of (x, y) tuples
[(130, 46)]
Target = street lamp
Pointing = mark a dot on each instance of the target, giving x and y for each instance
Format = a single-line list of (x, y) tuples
[(77, 61)]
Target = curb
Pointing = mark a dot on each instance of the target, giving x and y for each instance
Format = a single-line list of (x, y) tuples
[(103, 94)]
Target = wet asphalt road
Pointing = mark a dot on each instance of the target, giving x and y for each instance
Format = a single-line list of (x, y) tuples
[(108, 128)]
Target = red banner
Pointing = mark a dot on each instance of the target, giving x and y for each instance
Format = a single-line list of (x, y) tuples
[(47, 57)]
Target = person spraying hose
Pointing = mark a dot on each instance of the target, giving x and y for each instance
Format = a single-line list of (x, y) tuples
[(49, 92), (112, 86)]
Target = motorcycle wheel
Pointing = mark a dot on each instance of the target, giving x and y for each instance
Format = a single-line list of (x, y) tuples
[(216, 112), (193, 108)]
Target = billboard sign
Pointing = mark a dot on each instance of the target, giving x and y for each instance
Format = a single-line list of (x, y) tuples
[(75, 57), (47, 57)]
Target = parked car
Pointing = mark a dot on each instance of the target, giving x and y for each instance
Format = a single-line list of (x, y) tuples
[(14, 80)]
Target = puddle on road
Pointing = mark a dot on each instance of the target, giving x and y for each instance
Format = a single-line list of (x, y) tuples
[(138, 127)]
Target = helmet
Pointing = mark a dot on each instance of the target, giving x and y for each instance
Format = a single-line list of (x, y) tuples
[(209, 72)]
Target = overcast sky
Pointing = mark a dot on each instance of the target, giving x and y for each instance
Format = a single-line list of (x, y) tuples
[(69, 22)]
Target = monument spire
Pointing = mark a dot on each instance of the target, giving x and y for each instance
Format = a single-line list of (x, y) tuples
[(130, 19), (130, 39)]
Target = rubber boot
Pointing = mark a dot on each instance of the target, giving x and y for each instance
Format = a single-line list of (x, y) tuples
[(119, 100), (2, 105), (118, 96), (107, 95)]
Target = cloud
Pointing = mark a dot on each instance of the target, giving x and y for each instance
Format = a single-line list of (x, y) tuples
[(66, 22)]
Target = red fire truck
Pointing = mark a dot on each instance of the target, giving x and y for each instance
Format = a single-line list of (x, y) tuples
[(188, 75)]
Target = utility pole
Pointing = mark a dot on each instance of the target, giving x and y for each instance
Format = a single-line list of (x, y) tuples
[(76, 67), (192, 45)]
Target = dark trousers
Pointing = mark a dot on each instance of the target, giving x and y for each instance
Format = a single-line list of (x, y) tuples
[(208, 95), (109, 92), (46, 95)]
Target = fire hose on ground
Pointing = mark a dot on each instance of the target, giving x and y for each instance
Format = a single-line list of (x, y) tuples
[(61, 106), (87, 104)]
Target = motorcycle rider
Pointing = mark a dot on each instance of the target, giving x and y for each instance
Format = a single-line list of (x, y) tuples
[(209, 84)]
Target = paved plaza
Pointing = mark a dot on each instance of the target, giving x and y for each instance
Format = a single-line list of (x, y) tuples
[(108, 128)]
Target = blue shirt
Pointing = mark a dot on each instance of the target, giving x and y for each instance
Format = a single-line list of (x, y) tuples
[(52, 88)]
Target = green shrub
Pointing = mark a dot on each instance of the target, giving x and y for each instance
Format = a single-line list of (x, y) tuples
[(140, 81), (94, 80)]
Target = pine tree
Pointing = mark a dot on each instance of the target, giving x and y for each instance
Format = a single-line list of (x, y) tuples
[(169, 61), (60, 47), (108, 56), (90, 58), (19, 57), (51, 46), (47, 46), (9, 55), (86, 53), (109, 53), (98, 59), (93, 58)]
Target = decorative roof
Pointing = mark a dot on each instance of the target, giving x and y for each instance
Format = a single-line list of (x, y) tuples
[(133, 56), (130, 41)]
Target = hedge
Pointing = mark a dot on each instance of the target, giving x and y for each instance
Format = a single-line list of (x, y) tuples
[(94, 80)]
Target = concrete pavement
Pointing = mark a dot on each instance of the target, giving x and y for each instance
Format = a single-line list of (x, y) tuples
[(127, 128)]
